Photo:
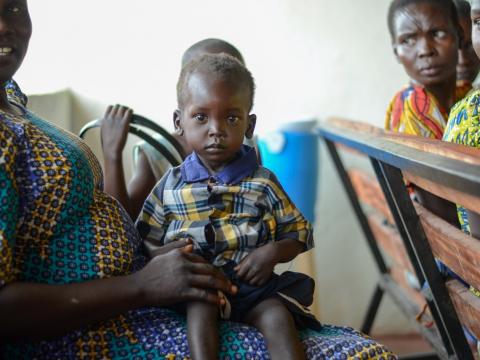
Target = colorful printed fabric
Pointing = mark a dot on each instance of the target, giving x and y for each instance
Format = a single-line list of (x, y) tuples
[(463, 128), (228, 215), (415, 111), (57, 226)]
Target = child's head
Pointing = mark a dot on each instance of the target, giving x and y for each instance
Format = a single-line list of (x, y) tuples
[(468, 62), (425, 38), (211, 46), (475, 16), (215, 96)]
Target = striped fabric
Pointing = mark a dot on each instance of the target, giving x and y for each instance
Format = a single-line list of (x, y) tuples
[(225, 221)]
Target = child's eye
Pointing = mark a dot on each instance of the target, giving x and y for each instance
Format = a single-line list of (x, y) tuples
[(476, 22), (200, 117), (233, 119)]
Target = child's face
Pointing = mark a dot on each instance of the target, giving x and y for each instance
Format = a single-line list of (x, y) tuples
[(476, 26), (215, 119), (426, 43), (468, 62)]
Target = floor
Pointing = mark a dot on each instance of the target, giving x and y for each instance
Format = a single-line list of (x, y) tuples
[(405, 344)]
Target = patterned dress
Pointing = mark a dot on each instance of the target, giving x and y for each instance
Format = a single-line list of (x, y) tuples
[(463, 128), (415, 111), (57, 226)]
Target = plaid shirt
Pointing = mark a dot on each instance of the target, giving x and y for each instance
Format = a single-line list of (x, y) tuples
[(227, 215)]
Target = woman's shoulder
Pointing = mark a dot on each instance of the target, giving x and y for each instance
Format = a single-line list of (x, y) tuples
[(463, 125)]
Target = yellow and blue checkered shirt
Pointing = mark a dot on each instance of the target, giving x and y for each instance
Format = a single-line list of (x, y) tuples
[(227, 215)]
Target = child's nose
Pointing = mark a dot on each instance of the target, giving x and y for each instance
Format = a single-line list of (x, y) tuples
[(217, 127)]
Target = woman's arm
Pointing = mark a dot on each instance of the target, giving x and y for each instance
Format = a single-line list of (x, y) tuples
[(36, 311)]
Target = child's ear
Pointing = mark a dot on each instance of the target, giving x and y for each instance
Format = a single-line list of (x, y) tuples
[(176, 123), (252, 120)]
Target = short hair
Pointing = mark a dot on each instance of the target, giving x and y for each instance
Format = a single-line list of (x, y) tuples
[(222, 67), (211, 46), (463, 8), (446, 5)]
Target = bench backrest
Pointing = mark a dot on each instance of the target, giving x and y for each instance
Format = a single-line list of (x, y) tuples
[(408, 233)]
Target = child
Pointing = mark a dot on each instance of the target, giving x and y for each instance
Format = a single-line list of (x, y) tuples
[(425, 38), (468, 62), (149, 165), (234, 211)]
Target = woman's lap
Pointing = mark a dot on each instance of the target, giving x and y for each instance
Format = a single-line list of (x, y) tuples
[(160, 334)]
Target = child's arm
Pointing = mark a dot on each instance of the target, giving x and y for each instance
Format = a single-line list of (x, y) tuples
[(258, 266), (293, 235), (114, 132)]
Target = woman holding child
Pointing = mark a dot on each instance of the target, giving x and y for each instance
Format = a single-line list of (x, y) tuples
[(74, 279)]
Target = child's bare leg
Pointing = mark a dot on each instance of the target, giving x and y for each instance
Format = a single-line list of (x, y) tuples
[(276, 324), (202, 330)]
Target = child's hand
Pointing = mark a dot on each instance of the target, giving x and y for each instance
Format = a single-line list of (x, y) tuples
[(114, 130), (257, 267)]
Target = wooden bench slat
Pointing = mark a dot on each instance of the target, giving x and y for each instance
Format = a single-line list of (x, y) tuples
[(389, 240), (467, 306), (460, 252), (370, 192), (455, 196)]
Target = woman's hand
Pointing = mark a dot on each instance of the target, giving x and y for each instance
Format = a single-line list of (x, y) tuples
[(257, 267), (179, 276), (114, 130)]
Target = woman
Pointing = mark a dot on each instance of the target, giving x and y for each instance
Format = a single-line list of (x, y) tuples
[(74, 282)]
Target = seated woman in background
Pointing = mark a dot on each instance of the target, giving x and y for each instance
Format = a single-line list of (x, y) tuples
[(426, 35), (149, 164), (75, 282), (468, 63)]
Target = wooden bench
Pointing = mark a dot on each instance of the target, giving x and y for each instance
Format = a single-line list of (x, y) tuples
[(405, 238)]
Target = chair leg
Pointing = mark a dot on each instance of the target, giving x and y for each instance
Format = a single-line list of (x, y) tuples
[(372, 310)]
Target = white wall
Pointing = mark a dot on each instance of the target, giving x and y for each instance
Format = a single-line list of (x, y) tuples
[(309, 57)]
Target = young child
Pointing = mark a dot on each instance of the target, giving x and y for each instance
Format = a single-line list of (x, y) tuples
[(425, 38), (235, 212), (468, 63), (149, 165)]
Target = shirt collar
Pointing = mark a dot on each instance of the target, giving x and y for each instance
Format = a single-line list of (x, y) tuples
[(244, 164)]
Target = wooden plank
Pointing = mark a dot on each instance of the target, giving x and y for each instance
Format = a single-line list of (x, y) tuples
[(467, 306), (369, 192), (399, 275), (426, 145), (449, 171), (390, 241), (460, 252), (469, 201), (437, 147)]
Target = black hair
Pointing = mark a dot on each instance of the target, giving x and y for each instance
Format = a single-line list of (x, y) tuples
[(447, 5), (221, 66), (463, 8), (213, 46)]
